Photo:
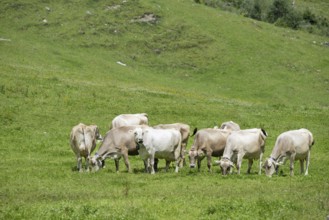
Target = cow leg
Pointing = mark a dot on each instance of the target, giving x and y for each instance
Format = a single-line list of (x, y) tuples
[(126, 160), (79, 163), (182, 156), (239, 162), (146, 165), (199, 163), (292, 161), (209, 162), (156, 161), (183, 161), (177, 166), (167, 165), (260, 163), (301, 162), (307, 162), (87, 163), (116, 161), (152, 164), (250, 162)]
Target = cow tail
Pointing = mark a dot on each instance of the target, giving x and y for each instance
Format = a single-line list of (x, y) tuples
[(194, 132), (311, 139)]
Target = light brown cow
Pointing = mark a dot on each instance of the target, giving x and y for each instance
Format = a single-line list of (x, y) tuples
[(83, 142), (248, 144), (208, 143), (184, 130), (118, 142), (293, 145), (230, 125), (129, 119)]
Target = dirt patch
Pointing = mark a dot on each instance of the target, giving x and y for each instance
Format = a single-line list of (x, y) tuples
[(146, 18)]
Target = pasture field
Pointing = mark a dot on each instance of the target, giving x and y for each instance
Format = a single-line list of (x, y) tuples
[(193, 64)]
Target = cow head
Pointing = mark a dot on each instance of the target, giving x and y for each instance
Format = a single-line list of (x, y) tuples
[(138, 134), (95, 163), (270, 166), (194, 155), (225, 165)]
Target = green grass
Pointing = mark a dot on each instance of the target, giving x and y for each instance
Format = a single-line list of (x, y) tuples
[(197, 65)]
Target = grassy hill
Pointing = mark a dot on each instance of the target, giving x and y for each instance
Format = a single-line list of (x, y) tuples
[(194, 64)]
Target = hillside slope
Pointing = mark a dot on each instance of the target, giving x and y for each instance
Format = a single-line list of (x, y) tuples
[(201, 45)]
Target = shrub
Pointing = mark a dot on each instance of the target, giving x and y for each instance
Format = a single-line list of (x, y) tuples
[(279, 9)]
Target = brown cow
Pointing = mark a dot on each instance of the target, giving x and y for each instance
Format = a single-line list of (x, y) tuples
[(208, 143), (118, 142)]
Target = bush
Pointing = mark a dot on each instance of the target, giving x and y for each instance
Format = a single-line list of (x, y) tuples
[(309, 17), (279, 9)]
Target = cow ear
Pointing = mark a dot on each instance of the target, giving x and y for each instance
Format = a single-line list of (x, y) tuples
[(217, 162)]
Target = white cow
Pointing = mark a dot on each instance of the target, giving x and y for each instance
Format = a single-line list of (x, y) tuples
[(83, 142), (159, 143), (129, 119), (184, 129), (248, 144), (293, 145)]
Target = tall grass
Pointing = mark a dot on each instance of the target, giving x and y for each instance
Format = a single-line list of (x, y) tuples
[(195, 65)]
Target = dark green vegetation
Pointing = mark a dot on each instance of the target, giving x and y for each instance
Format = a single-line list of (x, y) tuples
[(194, 64), (311, 16)]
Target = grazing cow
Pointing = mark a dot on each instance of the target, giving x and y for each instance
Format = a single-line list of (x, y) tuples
[(118, 142), (159, 143), (230, 125), (129, 119), (248, 144), (293, 145), (207, 143), (184, 129), (83, 142)]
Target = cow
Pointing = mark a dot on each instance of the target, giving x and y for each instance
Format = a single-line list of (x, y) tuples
[(230, 125), (208, 143), (293, 145), (129, 119), (159, 143), (248, 144), (184, 129), (118, 142), (83, 140)]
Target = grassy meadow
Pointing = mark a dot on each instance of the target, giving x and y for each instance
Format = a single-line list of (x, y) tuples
[(194, 64)]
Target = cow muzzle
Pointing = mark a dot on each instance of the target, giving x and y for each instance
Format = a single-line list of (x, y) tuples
[(192, 165)]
